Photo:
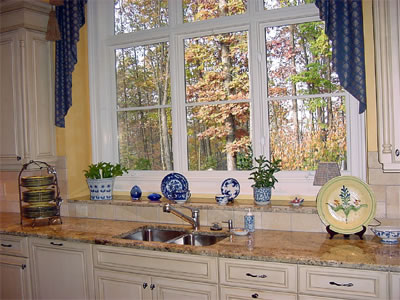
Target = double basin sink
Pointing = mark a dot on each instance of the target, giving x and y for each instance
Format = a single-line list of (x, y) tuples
[(174, 236)]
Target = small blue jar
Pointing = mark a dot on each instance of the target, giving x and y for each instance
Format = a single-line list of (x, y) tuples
[(136, 193)]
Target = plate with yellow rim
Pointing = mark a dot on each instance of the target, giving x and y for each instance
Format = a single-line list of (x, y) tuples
[(346, 204)]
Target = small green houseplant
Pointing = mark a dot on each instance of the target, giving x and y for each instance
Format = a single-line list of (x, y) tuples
[(100, 178), (264, 179)]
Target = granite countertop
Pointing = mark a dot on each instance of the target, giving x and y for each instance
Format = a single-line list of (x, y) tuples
[(274, 246)]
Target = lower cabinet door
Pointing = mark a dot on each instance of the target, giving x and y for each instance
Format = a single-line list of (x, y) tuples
[(171, 289), (61, 269), (233, 293), (14, 278), (112, 285)]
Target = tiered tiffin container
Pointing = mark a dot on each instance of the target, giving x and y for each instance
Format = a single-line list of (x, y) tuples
[(39, 194)]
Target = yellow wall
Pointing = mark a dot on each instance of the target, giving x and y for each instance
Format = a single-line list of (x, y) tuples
[(74, 141)]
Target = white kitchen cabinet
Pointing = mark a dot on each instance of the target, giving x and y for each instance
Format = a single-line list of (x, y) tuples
[(61, 269), (26, 87), (343, 283), (387, 57), (15, 282), (142, 274), (394, 285), (234, 293)]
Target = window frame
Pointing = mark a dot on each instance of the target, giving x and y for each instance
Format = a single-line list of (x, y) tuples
[(103, 110)]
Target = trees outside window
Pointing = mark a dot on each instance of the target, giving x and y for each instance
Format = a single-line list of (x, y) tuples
[(197, 86)]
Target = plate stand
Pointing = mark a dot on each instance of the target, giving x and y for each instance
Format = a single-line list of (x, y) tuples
[(346, 236)]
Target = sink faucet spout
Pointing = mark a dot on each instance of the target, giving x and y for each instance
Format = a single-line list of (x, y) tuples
[(194, 220)]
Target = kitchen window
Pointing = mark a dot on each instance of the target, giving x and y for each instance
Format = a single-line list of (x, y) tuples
[(196, 87)]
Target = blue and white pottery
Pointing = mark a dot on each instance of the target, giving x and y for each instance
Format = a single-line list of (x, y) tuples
[(262, 195), (154, 197), (231, 188), (181, 196), (221, 199), (173, 182), (387, 234), (136, 192), (101, 189)]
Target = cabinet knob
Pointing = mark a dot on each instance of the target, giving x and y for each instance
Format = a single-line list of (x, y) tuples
[(19, 158), (145, 285), (255, 296), (397, 152), (152, 286), (23, 266)]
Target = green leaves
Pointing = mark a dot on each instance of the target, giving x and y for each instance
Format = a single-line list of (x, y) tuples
[(104, 170), (263, 174)]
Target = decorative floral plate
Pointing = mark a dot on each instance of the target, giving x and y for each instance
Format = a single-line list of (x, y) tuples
[(346, 203), (173, 182), (231, 188)]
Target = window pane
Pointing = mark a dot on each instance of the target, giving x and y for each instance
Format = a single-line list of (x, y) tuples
[(272, 4), (145, 139), (299, 60), (142, 76), (135, 15), (304, 132), (198, 10), (216, 67), (218, 136)]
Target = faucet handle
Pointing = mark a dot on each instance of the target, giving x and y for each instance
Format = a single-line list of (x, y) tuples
[(230, 224)]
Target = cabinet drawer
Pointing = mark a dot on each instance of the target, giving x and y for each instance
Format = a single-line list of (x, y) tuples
[(173, 265), (265, 275), (343, 283), (14, 245), (231, 293)]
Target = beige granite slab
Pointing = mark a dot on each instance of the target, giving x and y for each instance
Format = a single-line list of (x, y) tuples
[(268, 245)]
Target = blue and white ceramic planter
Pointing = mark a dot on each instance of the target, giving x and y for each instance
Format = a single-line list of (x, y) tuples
[(101, 189), (262, 195)]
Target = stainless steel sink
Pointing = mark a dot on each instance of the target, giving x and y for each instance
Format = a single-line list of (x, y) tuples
[(151, 234), (173, 236), (198, 239)]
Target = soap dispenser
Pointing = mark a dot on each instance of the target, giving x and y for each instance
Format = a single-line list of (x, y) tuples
[(249, 222)]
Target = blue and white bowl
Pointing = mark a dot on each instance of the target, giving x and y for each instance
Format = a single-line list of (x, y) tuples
[(221, 199), (387, 234)]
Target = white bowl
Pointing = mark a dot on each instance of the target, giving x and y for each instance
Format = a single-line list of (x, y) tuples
[(387, 234)]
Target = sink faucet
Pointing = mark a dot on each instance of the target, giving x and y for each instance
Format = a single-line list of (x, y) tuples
[(194, 220)]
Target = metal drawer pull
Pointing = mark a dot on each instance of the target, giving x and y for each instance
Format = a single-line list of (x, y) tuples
[(341, 284), (144, 285), (152, 286), (56, 244), (6, 245), (255, 295), (259, 276)]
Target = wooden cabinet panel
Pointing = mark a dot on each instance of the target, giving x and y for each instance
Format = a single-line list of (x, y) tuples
[(265, 275), (15, 280), (231, 293), (112, 285), (343, 283), (175, 265), (61, 269)]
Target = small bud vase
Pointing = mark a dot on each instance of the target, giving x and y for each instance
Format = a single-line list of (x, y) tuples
[(136, 193)]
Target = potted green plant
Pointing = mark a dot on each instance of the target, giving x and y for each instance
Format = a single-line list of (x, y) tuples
[(264, 179), (100, 178)]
